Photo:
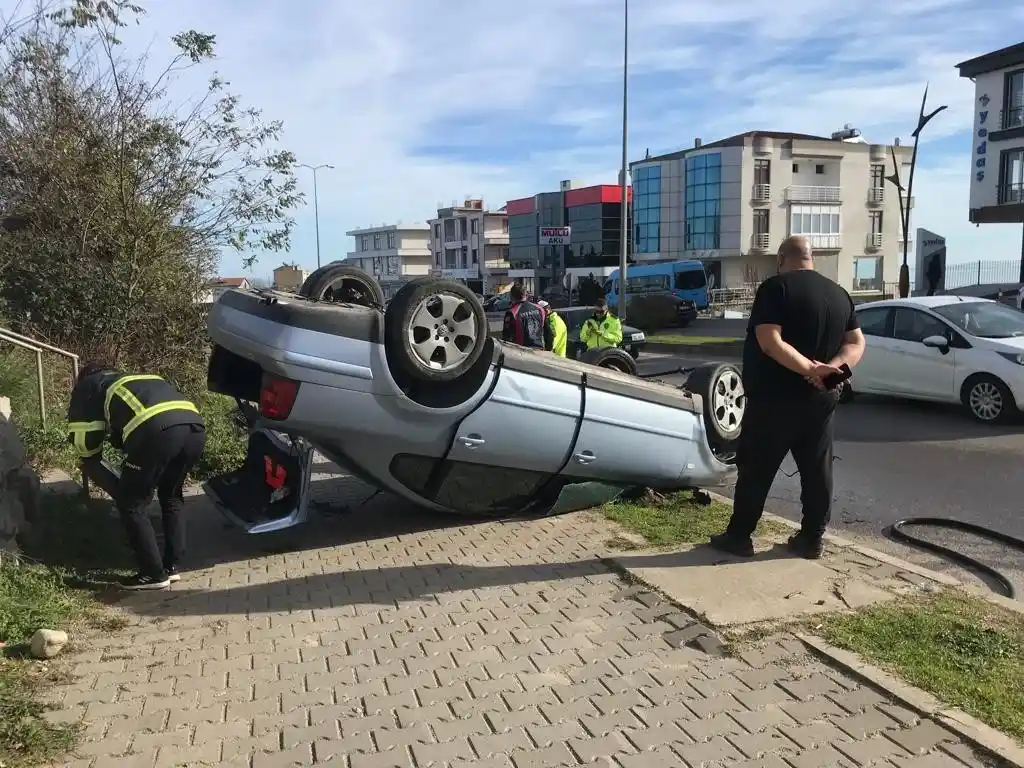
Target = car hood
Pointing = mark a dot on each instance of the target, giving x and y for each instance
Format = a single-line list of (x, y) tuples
[(1008, 344)]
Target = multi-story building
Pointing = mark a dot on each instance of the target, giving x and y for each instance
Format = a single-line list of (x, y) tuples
[(997, 150), (290, 277), (392, 253), (730, 204), (470, 244), (594, 216)]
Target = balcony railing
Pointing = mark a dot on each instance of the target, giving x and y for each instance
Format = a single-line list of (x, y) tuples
[(876, 195), (824, 242), (1012, 118), (874, 240), (762, 193), (814, 194), (1011, 193), (760, 241)]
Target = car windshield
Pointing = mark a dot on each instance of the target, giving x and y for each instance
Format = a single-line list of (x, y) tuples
[(988, 320)]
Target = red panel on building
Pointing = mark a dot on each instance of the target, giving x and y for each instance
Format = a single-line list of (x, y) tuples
[(520, 206), (602, 193)]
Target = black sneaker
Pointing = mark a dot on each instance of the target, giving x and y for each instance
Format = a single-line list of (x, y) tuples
[(173, 575), (138, 582), (723, 542), (806, 547)]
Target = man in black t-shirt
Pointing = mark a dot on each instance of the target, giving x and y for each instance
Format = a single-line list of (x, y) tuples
[(802, 328)]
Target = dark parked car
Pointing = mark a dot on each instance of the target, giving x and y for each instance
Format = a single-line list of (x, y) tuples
[(633, 339)]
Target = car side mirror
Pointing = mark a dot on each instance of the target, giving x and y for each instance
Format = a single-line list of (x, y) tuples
[(940, 343)]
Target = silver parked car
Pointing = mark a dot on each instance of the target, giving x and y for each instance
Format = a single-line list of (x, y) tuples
[(418, 399)]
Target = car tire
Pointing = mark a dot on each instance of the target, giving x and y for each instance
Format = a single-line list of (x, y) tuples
[(332, 282), (613, 358), (987, 399), (720, 386), (447, 311)]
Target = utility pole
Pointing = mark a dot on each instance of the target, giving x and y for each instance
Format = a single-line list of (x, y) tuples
[(316, 205), (625, 235)]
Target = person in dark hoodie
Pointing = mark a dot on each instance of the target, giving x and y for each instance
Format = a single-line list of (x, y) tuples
[(162, 436)]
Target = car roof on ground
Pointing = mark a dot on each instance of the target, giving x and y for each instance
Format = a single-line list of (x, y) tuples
[(924, 301)]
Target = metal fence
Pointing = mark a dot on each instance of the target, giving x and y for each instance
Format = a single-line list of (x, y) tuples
[(39, 347), (982, 272)]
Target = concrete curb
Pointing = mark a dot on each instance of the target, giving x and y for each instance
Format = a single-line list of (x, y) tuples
[(967, 727), (926, 573)]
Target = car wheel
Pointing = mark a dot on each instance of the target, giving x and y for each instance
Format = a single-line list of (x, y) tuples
[(435, 330), (613, 358), (720, 386), (342, 283), (987, 399)]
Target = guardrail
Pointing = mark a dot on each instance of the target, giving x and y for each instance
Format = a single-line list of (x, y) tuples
[(39, 347)]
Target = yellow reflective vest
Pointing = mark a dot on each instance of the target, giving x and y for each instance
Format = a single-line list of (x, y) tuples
[(598, 334)]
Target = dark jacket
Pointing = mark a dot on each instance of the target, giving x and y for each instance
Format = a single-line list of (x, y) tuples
[(525, 325), (129, 409)]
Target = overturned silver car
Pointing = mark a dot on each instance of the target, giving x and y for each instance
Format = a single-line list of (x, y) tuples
[(418, 399)]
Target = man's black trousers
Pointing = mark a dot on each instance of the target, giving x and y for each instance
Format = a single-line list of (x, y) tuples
[(158, 462), (772, 428)]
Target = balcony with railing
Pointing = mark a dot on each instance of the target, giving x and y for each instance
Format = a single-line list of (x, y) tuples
[(824, 242), (876, 195), (814, 194), (762, 193), (1011, 193), (760, 241), (874, 241)]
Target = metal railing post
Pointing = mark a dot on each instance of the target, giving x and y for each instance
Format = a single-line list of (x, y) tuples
[(39, 384)]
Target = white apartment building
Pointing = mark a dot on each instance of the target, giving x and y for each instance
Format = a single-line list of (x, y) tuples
[(730, 204), (997, 149), (392, 253), (470, 244)]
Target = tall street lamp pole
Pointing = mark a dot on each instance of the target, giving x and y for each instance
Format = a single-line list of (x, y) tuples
[(922, 121), (625, 235), (316, 205)]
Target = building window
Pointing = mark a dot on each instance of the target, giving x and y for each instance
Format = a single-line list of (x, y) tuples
[(1013, 100), (378, 240), (451, 258), (504, 225), (392, 239), (796, 168), (646, 209), (814, 220), (462, 229), (762, 171), (877, 176), (474, 226), (437, 232), (1011, 176), (876, 222), (364, 243), (819, 169), (449, 230), (474, 250), (761, 222), (703, 195), (504, 250), (437, 259)]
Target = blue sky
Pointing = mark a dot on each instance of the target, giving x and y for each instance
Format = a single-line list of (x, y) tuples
[(427, 101)]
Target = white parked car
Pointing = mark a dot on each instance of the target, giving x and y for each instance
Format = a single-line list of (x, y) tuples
[(945, 349)]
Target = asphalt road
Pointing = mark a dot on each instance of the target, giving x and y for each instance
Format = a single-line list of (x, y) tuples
[(899, 459)]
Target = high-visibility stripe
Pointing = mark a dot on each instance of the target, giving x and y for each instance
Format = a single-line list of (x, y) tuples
[(83, 449), (119, 389), (155, 410), (86, 426)]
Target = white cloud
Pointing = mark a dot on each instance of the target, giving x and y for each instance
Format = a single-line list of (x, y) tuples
[(365, 85)]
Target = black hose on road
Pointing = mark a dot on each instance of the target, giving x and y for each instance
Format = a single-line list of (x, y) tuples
[(898, 533)]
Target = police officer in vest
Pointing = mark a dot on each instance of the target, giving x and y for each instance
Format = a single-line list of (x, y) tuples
[(556, 333), (162, 436)]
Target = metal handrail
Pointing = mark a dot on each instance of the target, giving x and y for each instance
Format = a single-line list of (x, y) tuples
[(34, 345)]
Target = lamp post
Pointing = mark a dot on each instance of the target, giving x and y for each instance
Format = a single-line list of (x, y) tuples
[(625, 234), (922, 121), (316, 205)]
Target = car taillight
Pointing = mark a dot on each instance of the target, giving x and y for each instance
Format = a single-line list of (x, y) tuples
[(277, 397)]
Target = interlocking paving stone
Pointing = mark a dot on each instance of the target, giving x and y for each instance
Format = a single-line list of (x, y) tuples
[(392, 638)]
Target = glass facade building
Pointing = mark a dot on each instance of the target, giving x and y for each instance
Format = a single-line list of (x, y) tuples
[(703, 202), (647, 204)]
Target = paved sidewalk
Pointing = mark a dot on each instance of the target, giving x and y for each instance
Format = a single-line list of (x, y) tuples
[(389, 641)]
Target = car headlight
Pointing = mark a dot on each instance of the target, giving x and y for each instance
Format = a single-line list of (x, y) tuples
[(1013, 357), (637, 337)]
